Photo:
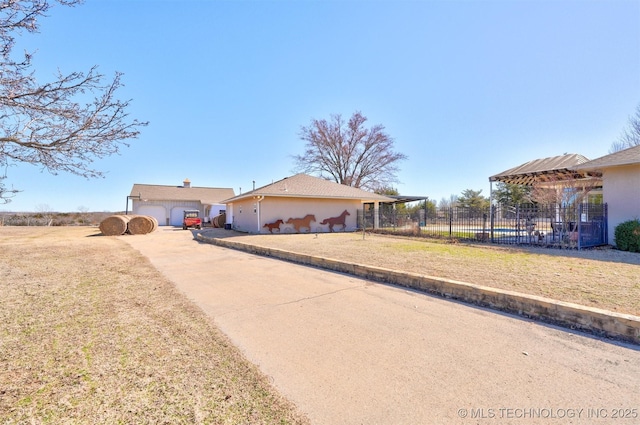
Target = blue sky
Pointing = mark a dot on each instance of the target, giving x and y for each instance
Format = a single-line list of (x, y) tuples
[(466, 88)]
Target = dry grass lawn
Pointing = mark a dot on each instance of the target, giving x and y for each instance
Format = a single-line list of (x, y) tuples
[(91, 333)]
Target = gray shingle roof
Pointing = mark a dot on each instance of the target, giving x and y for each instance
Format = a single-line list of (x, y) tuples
[(562, 167), (305, 186), (628, 156), (204, 195)]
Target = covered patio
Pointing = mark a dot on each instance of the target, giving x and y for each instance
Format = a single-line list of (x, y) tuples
[(560, 215)]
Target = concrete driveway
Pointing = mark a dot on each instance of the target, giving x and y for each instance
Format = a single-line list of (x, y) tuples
[(349, 351)]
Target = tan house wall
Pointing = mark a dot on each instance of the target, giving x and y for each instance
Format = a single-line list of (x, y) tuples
[(621, 191), (250, 215), (242, 216)]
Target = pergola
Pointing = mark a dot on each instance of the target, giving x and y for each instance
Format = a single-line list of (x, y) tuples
[(552, 170)]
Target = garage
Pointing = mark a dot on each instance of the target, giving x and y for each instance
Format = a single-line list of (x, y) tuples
[(177, 215), (156, 211), (167, 203)]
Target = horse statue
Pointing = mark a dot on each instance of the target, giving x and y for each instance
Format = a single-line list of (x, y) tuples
[(299, 223), (275, 225), (339, 220)]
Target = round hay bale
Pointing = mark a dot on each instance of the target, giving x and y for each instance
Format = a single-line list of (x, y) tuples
[(155, 223), (141, 225), (219, 220), (114, 225)]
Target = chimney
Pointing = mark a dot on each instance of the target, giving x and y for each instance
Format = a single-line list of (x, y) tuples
[(186, 183)]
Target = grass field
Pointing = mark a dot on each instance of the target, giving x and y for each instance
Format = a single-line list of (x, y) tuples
[(91, 333)]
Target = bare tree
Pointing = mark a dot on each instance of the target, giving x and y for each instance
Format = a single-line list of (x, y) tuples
[(630, 136), (61, 125), (45, 212), (562, 192), (448, 203), (444, 203), (348, 153)]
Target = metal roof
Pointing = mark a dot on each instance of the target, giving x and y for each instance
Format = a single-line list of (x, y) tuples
[(563, 167), (306, 186), (398, 199)]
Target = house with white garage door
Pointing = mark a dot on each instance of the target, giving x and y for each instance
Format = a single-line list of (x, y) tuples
[(167, 203), (300, 204)]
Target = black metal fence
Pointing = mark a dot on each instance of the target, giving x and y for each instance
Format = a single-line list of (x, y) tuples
[(575, 226)]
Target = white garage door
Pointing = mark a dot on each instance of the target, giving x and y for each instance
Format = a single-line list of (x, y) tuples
[(177, 214), (156, 211)]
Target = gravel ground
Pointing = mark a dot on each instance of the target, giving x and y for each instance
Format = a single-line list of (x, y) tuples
[(604, 278)]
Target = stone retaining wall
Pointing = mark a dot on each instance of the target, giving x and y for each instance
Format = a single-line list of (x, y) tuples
[(600, 322)]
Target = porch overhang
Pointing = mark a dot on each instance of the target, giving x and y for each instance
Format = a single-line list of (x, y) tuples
[(556, 169)]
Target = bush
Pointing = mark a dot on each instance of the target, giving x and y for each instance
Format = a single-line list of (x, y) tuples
[(627, 236)]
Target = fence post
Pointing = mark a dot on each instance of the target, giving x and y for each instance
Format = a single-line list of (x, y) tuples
[(606, 223), (517, 229), (579, 224), (450, 222), (484, 226), (492, 211)]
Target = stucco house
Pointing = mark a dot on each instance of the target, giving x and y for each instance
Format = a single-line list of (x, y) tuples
[(300, 203), (620, 185), (167, 203)]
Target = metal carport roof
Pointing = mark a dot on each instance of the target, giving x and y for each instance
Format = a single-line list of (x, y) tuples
[(404, 199)]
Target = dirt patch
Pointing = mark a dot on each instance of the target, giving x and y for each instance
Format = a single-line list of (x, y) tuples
[(602, 278), (92, 333)]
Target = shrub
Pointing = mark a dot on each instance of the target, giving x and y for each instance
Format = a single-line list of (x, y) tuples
[(627, 236)]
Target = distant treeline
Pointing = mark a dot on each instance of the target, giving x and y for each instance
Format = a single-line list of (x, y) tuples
[(53, 218)]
